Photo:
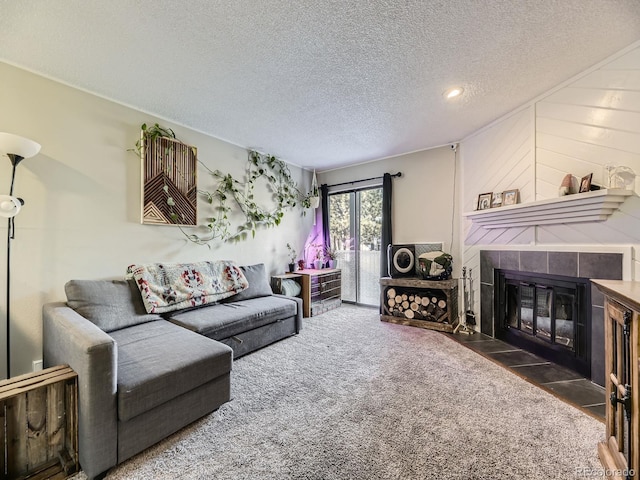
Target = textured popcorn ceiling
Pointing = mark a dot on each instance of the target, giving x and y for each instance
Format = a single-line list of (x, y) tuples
[(319, 83)]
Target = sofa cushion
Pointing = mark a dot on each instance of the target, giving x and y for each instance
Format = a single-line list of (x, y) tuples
[(110, 304), (256, 275), (224, 320), (158, 361)]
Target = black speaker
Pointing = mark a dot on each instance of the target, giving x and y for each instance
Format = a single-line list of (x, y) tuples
[(402, 260)]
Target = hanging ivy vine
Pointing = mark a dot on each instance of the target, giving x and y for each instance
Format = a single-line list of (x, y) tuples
[(232, 196)]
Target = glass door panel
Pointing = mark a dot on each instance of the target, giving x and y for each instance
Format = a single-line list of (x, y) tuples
[(565, 306), (342, 241), (527, 299), (355, 226), (544, 325), (370, 222)]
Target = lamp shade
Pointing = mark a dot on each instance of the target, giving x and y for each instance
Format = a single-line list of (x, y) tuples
[(11, 144), (9, 206)]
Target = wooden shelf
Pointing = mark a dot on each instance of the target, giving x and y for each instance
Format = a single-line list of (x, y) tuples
[(594, 206)]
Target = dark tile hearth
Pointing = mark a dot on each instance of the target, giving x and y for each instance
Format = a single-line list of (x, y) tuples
[(492, 346), (562, 382), (513, 357), (547, 373)]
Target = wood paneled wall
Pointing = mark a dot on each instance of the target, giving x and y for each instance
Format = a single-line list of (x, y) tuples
[(578, 128)]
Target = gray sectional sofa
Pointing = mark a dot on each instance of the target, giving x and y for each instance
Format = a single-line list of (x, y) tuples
[(144, 376)]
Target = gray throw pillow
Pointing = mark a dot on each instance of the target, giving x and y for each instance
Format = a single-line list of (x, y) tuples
[(110, 304), (258, 284)]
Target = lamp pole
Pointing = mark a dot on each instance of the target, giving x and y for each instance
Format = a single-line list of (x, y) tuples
[(15, 160), (17, 148)]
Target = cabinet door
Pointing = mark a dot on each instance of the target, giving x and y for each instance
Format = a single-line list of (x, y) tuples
[(619, 379)]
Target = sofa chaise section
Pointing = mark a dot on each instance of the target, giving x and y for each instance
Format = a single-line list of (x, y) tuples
[(158, 364)]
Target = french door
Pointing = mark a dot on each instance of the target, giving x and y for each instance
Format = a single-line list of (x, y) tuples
[(355, 226)]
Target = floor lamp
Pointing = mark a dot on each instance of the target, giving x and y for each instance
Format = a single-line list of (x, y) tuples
[(17, 149)]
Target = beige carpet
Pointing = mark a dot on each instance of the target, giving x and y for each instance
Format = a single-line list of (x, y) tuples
[(355, 398)]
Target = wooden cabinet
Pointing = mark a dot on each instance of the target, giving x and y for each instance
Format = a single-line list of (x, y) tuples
[(420, 303), (39, 424), (620, 452), (321, 290)]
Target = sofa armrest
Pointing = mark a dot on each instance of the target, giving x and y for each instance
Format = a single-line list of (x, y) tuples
[(299, 310), (69, 338)]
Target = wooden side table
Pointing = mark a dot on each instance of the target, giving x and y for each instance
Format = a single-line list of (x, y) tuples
[(39, 425)]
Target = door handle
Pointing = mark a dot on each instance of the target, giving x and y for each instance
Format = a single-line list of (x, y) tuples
[(625, 400)]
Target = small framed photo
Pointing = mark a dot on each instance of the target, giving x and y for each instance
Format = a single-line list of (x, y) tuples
[(585, 183), (484, 201), (510, 197), (496, 199)]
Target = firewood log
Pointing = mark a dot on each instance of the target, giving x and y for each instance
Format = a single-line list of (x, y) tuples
[(405, 304), (408, 313), (414, 306), (391, 302), (391, 293), (442, 304)]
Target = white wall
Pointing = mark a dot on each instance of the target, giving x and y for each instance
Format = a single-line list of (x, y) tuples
[(424, 202), (82, 192), (578, 128)]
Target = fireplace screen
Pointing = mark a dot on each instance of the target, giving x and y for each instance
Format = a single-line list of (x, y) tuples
[(549, 313)]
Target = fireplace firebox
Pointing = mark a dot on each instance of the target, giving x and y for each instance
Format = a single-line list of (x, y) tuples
[(548, 315)]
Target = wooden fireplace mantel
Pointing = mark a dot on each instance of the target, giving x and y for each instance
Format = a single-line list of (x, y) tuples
[(593, 206)]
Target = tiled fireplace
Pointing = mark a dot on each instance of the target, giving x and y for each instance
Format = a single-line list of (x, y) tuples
[(536, 273)]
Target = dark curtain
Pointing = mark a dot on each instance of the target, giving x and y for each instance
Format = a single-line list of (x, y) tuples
[(324, 194), (386, 223)]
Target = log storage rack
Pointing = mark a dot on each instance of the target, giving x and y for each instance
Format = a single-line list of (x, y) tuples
[(39, 425), (420, 303)]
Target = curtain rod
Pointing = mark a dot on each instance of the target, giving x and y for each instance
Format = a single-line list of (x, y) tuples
[(399, 174)]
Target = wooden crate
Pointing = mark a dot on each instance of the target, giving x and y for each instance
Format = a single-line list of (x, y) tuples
[(445, 291), (39, 425), (321, 290)]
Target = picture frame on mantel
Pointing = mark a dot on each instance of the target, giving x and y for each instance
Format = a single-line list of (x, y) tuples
[(585, 183), (496, 199), (510, 197), (484, 201)]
